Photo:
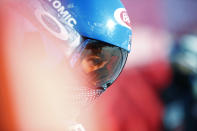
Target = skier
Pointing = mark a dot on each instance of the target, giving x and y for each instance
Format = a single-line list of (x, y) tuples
[(95, 36)]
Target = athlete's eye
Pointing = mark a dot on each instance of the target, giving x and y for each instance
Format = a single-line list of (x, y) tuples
[(92, 63), (95, 61)]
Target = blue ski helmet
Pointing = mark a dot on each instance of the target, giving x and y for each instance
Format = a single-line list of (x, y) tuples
[(98, 33)]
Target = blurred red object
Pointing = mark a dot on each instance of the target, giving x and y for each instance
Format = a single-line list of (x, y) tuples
[(7, 114), (133, 102), (34, 89)]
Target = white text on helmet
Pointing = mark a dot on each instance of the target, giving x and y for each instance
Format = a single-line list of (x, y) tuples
[(63, 13)]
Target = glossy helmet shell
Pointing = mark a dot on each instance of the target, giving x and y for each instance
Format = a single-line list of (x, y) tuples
[(104, 20)]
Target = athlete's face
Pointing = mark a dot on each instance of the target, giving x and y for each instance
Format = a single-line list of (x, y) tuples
[(94, 60)]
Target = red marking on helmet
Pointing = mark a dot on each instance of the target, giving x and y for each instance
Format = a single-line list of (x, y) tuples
[(125, 18)]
